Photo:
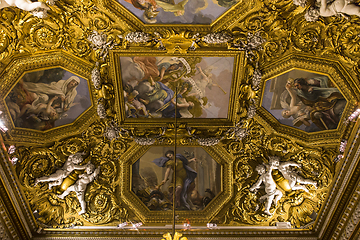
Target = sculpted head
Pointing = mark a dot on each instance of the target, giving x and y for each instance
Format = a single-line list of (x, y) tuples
[(261, 169), (274, 161), (90, 169), (76, 158)]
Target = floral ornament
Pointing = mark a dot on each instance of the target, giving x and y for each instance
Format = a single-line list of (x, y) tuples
[(251, 111), (217, 38), (96, 77), (256, 79), (73, 146), (101, 111), (144, 141), (98, 41), (208, 141), (137, 37), (238, 132), (157, 40), (150, 140), (196, 40), (254, 42), (312, 14), (111, 131), (301, 3)]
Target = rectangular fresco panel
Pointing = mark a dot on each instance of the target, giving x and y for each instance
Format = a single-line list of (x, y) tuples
[(304, 100), (198, 178), (202, 85), (48, 98), (178, 11)]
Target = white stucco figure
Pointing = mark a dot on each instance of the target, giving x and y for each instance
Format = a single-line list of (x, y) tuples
[(335, 8), (70, 165), (295, 181), (270, 187), (80, 186), (38, 9)]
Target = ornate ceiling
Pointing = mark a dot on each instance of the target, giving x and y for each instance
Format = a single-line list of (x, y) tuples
[(219, 119)]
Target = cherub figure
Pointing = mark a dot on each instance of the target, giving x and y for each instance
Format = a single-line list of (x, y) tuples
[(38, 9), (336, 8), (270, 187), (80, 185), (45, 110), (70, 165), (296, 108), (289, 174)]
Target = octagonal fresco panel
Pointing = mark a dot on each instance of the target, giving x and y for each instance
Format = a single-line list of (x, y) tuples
[(305, 100), (178, 11), (46, 99), (150, 84), (198, 178)]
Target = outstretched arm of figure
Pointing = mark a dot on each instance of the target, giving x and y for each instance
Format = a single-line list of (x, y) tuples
[(167, 174), (292, 95), (180, 105), (162, 72), (203, 74), (256, 185), (294, 164)]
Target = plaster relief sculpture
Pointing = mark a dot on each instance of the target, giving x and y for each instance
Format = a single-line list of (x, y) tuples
[(38, 9), (335, 8), (70, 165), (295, 181), (270, 187), (80, 185)]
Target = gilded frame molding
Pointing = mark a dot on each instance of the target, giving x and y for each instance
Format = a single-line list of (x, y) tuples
[(205, 215), (334, 70), (18, 67), (238, 74)]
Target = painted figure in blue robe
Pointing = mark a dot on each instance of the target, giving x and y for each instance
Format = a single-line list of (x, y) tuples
[(185, 177)]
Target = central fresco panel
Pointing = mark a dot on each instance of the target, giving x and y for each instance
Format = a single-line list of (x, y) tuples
[(198, 178), (185, 87), (178, 11)]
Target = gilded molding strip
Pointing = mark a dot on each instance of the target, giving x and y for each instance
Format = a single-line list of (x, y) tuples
[(14, 193), (335, 189)]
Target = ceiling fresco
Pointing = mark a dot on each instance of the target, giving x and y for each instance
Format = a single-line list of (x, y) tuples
[(199, 86), (179, 11), (304, 100), (214, 119), (46, 99), (201, 173)]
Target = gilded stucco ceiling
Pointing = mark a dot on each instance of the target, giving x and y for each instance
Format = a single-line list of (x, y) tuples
[(258, 99)]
